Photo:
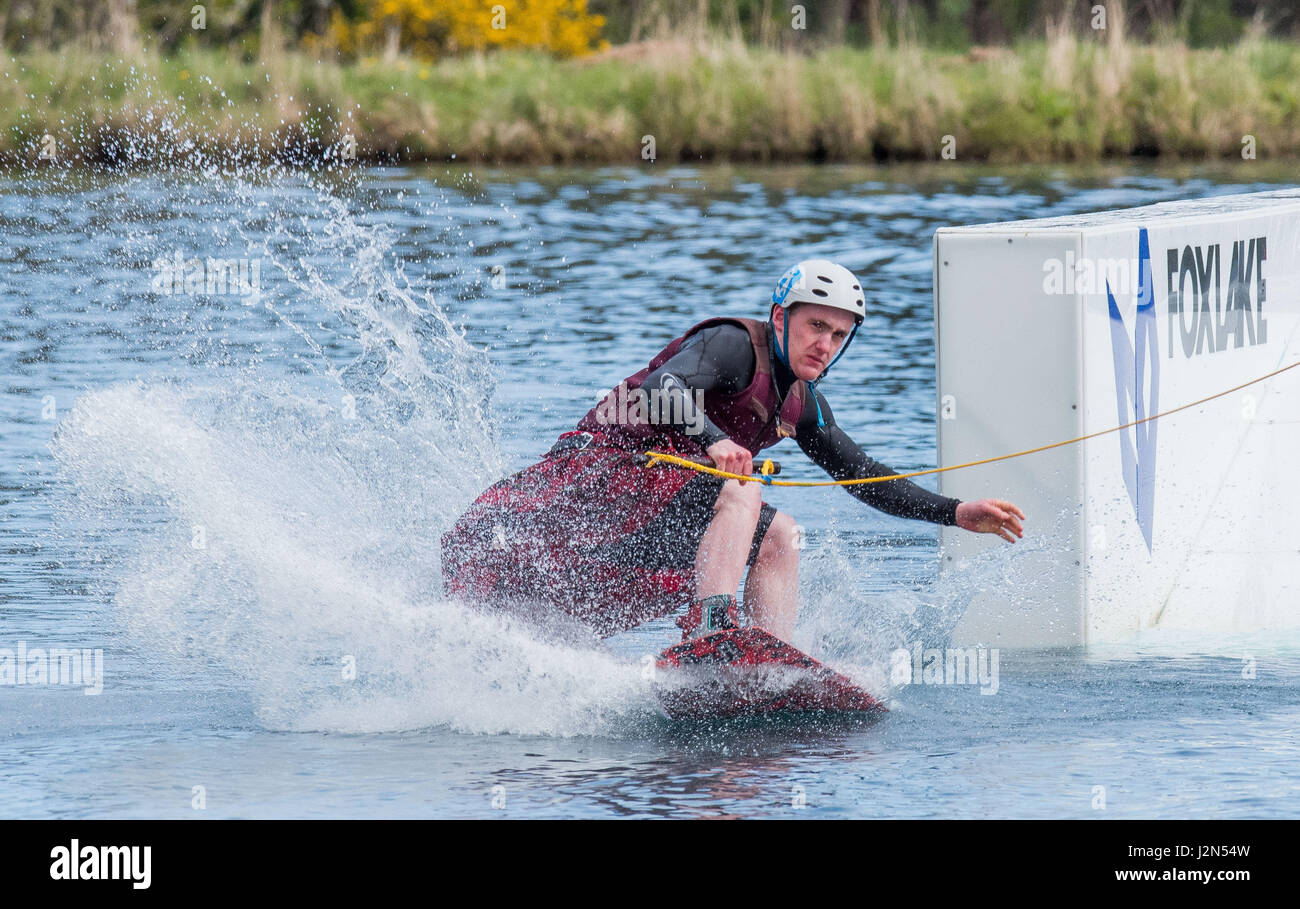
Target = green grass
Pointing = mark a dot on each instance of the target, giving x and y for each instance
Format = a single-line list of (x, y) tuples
[(1064, 100)]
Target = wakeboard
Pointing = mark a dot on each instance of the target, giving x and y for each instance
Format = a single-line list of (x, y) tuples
[(750, 672)]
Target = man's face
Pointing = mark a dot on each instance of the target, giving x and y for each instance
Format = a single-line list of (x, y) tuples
[(816, 334)]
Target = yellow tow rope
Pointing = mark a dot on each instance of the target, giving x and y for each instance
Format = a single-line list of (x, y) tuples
[(767, 468)]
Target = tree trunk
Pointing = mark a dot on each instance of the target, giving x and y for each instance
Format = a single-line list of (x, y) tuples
[(270, 41), (1115, 23), (392, 39), (901, 22), (637, 22), (985, 24), (737, 32), (874, 28), (122, 27), (837, 15), (764, 32), (43, 33)]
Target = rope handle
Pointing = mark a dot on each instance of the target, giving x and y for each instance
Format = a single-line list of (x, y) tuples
[(766, 470)]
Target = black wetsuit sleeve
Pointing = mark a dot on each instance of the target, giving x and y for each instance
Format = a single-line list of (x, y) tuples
[(832, 449), (717, 359)]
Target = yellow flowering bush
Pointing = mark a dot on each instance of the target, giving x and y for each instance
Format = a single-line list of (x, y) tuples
[(434, 28)]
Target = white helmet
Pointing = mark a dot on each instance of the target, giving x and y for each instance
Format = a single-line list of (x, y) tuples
[(818, 281), (821, 281)]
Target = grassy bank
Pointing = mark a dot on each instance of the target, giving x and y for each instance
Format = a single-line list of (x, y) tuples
[(1064, 100)]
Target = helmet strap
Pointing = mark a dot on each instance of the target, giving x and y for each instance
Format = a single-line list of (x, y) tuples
[(785, 341)]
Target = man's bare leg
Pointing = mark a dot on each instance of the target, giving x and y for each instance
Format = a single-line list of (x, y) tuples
[(720, 561), (772, 588)]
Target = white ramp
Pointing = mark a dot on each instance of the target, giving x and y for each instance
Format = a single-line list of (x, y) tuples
[(1052, 329)]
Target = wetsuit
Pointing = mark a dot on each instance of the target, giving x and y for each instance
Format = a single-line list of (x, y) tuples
[(590, 532), (721, 359)]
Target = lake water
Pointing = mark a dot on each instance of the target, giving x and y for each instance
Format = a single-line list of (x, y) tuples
[(236, 496)]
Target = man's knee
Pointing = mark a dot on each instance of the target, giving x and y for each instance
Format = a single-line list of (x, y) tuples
[(781, 540), (740, 499)]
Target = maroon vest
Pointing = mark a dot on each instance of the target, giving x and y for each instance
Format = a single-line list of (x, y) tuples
[(754, 417)]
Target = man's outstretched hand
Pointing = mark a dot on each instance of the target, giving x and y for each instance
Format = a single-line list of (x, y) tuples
[(991, 516)]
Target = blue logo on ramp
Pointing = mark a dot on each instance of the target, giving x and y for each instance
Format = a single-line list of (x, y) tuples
[(1137, 444)]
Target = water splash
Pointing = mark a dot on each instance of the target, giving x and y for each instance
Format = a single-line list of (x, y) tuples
[(276, 532)]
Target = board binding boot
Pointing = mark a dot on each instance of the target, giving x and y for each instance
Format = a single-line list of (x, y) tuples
[(709, 614)]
